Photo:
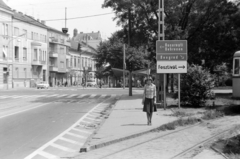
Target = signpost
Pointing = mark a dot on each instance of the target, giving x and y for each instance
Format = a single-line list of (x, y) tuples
[(172, 58)]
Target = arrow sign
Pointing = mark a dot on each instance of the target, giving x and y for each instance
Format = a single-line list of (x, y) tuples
[(181, 67)]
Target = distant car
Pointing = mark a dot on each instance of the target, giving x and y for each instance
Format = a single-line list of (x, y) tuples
[(42, 85), (91, 83)]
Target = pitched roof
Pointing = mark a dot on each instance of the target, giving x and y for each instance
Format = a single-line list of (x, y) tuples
[(89, 36), (27, 19), (3, 5)]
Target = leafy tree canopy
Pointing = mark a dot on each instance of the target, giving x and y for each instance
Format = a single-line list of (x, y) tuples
[(210, 26)]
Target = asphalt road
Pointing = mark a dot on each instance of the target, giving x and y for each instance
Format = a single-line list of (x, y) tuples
[(31, 118)]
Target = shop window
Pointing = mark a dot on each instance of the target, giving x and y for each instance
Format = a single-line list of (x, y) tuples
[(16, 53)]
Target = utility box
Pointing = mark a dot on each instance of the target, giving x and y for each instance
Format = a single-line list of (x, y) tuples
[(236, 75)]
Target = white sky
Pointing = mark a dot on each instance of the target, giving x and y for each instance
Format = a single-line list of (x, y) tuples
[(55, 9)]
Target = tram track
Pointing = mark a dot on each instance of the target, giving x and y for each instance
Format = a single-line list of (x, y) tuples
[(212, 135)]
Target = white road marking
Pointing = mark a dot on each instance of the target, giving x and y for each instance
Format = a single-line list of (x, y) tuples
[(103, 95), (113, 95), (62, 147), (83, 131), (93, 95), (70, 96), (2, 97), (32, 107), (81, 96), (47, 155), (62, 95), (53, 95), (71, 141), (62, 134), (76, 135)]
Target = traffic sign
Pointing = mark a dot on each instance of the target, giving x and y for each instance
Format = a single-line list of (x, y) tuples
[(171, 66), (171, 46), (171, 57)]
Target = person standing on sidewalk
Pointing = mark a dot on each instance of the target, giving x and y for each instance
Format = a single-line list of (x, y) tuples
[(148, 101)]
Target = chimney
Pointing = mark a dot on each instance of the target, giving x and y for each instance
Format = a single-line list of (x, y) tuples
[(43, 22), (14, 10), (38, 20), (20, 13)]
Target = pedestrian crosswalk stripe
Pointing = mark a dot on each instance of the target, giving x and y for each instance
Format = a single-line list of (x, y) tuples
[(46, 155), (71, 141), (92, 96), (81, 96), (70, 96), (62, 147), (83, 131), (62, 95), (79, 136), (53, 95)]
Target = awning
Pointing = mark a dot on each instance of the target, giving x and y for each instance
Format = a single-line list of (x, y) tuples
[(119, 72)]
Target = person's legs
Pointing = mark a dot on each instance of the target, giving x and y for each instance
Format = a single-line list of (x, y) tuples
[(150, 118)]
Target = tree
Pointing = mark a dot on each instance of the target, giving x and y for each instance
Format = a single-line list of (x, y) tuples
[(210, 26), (100, 74), (111, 52)]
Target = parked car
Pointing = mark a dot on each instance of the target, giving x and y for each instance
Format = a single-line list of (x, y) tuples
[(91, 83), (42, 85)]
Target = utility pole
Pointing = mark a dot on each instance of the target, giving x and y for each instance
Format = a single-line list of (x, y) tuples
[(161, 83), (124, 66), (129, 44)]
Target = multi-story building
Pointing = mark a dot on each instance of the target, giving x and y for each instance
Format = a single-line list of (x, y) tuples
[(82, 64), (58, 47), (30, 56), (92, 39), (6, 38)]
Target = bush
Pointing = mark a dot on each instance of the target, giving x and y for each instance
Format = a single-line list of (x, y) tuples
[(228, 82), (196, 86)]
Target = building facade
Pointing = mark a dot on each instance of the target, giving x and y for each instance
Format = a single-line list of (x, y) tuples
[(6, 55), (58, 47), (82, 63), (30, 52)]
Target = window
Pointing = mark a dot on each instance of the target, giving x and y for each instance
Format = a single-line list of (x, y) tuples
[(78, 62), (25, 72), (16, 31), (24, 54), (67, 63), (32, 36), (25, 33), (85, 62), (40, 55), (17, 73), (6, 31), (82, 62), (4, 55), (61, 50), (35, 55), (16, 53), (5, 74), (75, 62), (61, 64), (3, 29), (236, 66)]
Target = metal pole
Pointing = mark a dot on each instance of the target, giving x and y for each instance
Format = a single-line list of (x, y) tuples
[(179, 95), (129, 39), (124, 66), (161, 36), (65, 17)]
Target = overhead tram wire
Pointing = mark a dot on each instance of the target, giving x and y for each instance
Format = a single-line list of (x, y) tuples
[(48, 2), (89, 16)]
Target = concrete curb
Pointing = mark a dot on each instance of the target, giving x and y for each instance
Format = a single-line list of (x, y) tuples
[(107, 143), (85, 147)]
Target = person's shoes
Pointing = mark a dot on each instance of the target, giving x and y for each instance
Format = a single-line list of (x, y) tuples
[(150, 123)]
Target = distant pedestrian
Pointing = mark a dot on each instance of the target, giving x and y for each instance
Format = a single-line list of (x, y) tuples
[(148, 101)]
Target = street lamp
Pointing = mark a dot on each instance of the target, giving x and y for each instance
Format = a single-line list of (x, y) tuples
[(12, 38)]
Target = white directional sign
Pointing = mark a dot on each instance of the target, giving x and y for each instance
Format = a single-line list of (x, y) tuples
[(171, 56), (171, 66)]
